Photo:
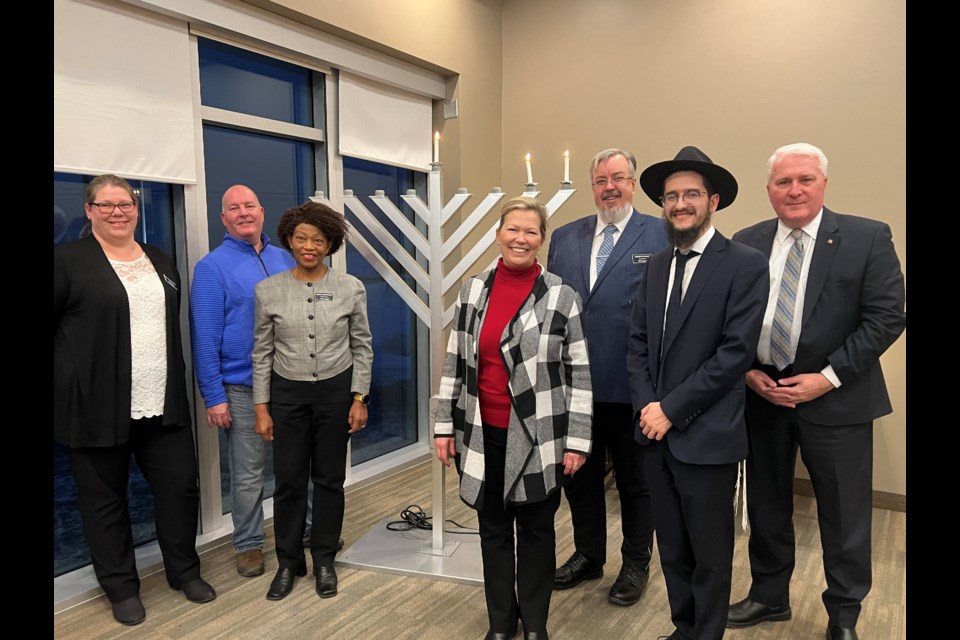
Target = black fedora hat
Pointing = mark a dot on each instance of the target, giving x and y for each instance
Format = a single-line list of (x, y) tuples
[(690, 159)]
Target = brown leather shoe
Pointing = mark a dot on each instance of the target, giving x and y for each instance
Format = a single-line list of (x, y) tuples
[(250, 563)]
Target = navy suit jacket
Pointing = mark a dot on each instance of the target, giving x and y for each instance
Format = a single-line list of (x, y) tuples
[(853, 310), (699, 378), (607, 308)]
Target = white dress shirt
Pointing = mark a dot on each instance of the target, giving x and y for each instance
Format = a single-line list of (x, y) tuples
[(778, 258), (598, 238)]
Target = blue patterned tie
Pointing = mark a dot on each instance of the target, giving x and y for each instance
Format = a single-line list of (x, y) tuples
[(781, 332), (606, 246)]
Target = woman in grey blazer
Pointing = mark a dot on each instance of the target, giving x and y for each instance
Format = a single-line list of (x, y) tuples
[(514, 413), (312, 357)]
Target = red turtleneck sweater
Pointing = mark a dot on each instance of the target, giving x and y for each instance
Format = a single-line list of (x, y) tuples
[(510, 288)]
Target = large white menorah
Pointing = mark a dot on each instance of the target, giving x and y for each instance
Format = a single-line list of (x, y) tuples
[(433, 250)]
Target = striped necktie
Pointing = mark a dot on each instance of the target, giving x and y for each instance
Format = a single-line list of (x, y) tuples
[(606, 247), (781, 333)]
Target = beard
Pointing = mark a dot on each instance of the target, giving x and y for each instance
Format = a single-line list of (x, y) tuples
[(685, 237), (613, 216)]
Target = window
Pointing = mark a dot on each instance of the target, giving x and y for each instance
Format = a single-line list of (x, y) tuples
[(262, 127)]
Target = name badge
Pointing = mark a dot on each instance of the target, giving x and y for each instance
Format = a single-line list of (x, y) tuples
[(641, 258), (170, 282), (321, 296)]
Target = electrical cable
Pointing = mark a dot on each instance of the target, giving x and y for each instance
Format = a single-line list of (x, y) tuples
[(414, 517)]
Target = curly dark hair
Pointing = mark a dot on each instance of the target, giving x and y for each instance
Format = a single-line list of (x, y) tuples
[(331, 224)]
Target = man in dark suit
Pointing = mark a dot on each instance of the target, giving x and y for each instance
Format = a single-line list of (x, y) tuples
[(693, 335), (817, 386), (604, 257)]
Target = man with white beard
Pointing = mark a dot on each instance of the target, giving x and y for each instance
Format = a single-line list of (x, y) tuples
[(604, 257)]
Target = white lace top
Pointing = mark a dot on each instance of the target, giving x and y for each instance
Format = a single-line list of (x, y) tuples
[(148, 335)]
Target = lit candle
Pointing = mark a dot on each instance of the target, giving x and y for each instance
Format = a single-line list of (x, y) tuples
[(566, 165), (436, 147), (529, 171)]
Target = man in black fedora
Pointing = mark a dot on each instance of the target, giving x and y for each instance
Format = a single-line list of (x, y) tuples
[(693, 336)]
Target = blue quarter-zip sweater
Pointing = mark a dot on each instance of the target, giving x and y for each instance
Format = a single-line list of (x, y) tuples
[(221, 312)]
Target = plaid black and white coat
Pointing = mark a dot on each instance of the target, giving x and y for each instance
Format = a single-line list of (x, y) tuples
[(545, 353)]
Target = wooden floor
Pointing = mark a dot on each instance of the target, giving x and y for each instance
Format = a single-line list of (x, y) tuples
[(375, 605)]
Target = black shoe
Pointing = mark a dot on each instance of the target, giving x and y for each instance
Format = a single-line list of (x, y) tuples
[(129, 611), (282, 583), (326, 581), (747, 613), (496, 635), (629, 586), (535, 635), (575, 570), (197, 590), (839, 633)]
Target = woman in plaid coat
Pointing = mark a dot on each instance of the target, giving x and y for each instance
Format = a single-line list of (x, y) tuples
[(517, 357)]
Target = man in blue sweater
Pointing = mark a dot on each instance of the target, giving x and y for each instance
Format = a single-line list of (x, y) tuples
[(221, 328)]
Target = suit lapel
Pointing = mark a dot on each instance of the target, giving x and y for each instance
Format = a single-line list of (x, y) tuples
[(828, 241), (657, 276), (631, 233), (585, 240), (709, 261)]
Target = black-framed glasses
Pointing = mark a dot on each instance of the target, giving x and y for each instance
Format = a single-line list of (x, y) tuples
[(106, 208), (690, 195), (616, 181)]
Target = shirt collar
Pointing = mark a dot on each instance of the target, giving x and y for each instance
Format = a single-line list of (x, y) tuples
[(701, 243), (811, 228), (601, 225)]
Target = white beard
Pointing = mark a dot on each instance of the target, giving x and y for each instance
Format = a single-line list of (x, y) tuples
[(614, 216)]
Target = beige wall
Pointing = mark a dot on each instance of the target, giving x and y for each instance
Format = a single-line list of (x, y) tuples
[(736, 78)]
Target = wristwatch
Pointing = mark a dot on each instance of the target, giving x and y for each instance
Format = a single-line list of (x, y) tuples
[(362, 397)]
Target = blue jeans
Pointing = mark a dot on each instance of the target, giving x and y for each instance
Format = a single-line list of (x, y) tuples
[(248, 455)]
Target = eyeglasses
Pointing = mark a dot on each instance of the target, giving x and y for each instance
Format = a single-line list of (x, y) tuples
[(106, 208), (616, 181), (690, 195)]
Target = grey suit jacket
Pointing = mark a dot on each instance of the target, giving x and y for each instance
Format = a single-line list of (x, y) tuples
[(853, 311), (311, 331)]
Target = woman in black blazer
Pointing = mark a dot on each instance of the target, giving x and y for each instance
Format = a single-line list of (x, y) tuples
[(119, 389)]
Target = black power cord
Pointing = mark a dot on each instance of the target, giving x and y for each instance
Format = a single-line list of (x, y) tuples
[(414, 517)]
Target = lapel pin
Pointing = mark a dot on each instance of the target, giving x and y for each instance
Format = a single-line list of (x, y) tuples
[(829, 240)]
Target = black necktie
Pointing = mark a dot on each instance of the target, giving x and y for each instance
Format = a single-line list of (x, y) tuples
[(673, 308)]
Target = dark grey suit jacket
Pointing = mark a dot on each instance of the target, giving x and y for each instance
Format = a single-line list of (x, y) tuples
[(697, 374), (853, 310)]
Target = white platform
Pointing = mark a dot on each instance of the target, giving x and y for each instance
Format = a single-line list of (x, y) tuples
[(410, 553)]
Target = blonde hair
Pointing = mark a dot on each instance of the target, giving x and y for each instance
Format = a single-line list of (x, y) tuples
[(525, 203)]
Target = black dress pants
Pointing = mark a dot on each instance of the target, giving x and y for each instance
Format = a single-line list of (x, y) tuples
[(309, 444), (516, 587), (840, 462), (168, 461), (613, 427), (693, 508)]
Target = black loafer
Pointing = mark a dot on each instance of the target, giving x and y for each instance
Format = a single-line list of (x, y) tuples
[(629, 586), (575, 570), (197, 590), (747, 613), (129, 611), (326, 581), (839, 633), (282, 583), (497, 635)]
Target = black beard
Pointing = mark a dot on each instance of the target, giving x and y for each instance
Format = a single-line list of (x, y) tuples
[(683, 239)]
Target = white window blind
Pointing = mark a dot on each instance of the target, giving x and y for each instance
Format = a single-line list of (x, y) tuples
[(122, 93), (384, 124)]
